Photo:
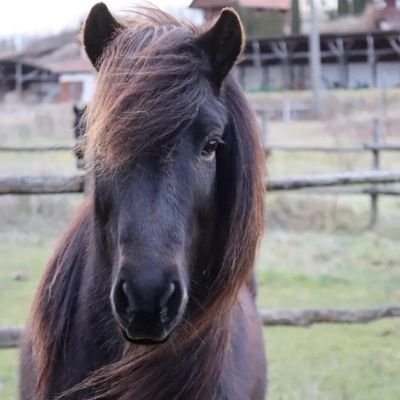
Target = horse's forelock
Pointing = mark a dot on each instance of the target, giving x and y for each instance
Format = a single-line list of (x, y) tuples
[(150, 84)]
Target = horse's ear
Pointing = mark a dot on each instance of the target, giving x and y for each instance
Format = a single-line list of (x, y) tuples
[(100, 28), (223, 43)]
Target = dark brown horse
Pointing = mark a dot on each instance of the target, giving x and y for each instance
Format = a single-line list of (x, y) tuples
[(150, 294)]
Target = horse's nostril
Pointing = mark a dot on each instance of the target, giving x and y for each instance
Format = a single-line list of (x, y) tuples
[(125, 288), (174, 300), (128, 297), (123, 299), (167, 295)]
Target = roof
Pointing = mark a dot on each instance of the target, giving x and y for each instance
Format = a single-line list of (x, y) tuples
[(267, 4), (72, 66), (42, 47), (59, 54), (211, 3), (54, 66), (32, 71), (259, 4)]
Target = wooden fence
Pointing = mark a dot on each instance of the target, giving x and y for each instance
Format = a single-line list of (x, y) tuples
[(10, 336), (375, 146), (29, 185), (34, 149), (63, 184)]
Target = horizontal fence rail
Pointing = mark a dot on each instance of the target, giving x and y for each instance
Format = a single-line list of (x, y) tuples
[(271, 147), (14, 185), (324, 149), (329, 180), (42, 184), (308, 317), (10, 336), (35, 149), (336, 191)]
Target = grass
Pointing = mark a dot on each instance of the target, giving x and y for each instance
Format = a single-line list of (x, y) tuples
[(25, 255), (309, 269), (335, 362), (20, 257), (324, 362)]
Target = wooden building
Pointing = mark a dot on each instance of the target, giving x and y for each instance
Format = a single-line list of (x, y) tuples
[(76, 80), (26, 78), (260, 17), (50, 69), (349, 60)]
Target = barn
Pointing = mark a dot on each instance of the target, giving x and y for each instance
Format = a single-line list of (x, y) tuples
[(260, 17), (50, 69), (349, 60), (76, 80), (26, 78)]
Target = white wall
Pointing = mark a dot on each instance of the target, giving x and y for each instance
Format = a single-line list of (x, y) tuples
[(88, 81), (359, 75), (388, 74)]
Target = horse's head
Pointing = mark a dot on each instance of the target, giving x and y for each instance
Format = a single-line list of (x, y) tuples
[(165, 147)]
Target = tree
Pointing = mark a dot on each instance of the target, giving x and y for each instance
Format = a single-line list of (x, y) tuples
[(343, 7), (261, 23), (295, 17), (359, 6)]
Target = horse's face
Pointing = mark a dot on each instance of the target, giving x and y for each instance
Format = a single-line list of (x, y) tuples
[(159, 225), (157, 212)]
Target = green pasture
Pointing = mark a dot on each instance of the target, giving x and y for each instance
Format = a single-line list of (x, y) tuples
[(337, 362)]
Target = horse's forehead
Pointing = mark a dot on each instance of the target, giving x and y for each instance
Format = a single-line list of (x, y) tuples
[(212, 113)]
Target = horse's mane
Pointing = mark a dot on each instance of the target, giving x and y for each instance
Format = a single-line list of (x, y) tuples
[(151, 83), (55, 302)]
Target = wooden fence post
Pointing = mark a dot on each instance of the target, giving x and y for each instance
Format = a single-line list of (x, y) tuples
[(376, 165), (287, 111), (265, 129), (263, 115)]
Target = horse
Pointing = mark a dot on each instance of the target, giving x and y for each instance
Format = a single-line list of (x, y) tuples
[(79, 129), (150, 294)]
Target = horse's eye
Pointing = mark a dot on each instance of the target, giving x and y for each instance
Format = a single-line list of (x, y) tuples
[(209, 149)]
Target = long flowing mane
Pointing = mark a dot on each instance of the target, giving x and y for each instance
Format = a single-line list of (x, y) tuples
[(150, 84)]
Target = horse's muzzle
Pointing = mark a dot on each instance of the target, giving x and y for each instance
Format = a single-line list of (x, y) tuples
[(147, 311)]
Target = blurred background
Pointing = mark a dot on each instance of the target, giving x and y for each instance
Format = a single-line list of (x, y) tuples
[(324, 79)]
